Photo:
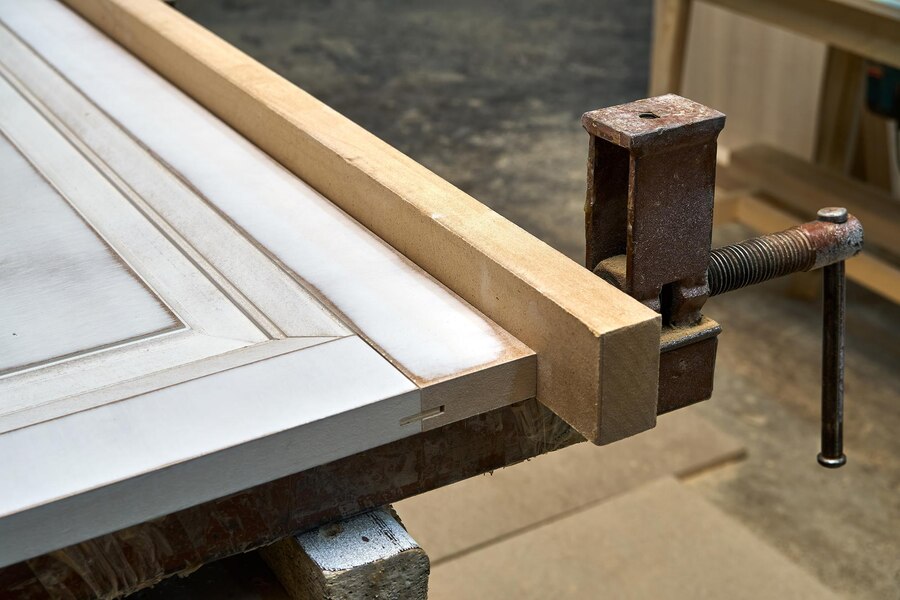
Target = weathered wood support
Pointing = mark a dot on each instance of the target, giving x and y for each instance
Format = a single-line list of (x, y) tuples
[(367, 556)]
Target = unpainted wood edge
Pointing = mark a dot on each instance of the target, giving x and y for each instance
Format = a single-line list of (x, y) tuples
[(522, 284), (294, 569), (625, 368), (300, 578), (484, 389)]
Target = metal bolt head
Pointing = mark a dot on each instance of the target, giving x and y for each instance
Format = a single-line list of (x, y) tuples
[(833, 214), (832, 462)]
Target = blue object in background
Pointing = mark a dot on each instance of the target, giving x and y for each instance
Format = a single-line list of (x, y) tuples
[(883, 90)]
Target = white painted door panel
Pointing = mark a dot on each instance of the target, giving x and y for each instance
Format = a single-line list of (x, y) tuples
[(180, 316), (99, 470), (63, 290)]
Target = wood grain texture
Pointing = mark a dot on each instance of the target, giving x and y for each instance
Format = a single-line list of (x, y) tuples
[(364, 557), (840, 106), (597, 348), (863, 28), (765, 78), (736, 48), (122, 562), (671, 26)]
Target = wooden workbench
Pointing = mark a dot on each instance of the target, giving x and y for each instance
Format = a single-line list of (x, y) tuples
[(229, 313)]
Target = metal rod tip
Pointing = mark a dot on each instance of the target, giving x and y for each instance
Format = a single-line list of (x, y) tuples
[(833, 214), (832, 463)]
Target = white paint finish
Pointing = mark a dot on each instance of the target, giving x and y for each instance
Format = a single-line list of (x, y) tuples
[(104, 469), (109, 439), (193, 370), (103, 377), (426, 329), (266, 292), (214, 324), (167, 271), (63, 291)]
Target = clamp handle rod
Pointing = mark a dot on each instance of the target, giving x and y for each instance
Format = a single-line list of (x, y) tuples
[(833, 319), (824, 243)]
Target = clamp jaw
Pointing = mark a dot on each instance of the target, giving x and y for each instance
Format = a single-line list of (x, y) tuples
[(648, 217), (648, 229)]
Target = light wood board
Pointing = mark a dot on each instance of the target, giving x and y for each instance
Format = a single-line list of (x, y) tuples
[(367, 556), (866, 28)]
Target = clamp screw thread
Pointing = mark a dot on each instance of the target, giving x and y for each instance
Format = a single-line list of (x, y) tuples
[(759, 259)]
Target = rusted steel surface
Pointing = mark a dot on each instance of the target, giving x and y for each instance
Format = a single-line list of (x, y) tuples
[(833, 319), (648, 226), (687, 364), (651, 181), (648, 230), (686, 375), (122, 562), (809, 246), (833, 328)]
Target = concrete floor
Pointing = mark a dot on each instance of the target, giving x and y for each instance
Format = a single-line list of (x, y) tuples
[(489, 96)]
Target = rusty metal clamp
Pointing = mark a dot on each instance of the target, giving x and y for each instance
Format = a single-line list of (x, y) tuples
[(648, 229)]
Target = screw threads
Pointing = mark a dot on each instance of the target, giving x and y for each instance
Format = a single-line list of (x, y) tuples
[(759, 259)]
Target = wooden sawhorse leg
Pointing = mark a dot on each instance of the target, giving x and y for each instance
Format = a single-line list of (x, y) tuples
[(367, 556)]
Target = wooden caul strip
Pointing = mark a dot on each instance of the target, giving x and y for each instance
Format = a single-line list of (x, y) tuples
[(597, 348)]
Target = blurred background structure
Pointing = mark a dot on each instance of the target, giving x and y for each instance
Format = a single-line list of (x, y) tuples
[(489, 96)]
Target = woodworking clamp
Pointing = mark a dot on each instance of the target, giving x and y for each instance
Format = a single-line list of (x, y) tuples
[(648, 228)]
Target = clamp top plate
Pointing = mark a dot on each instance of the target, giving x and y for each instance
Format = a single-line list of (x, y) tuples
[(655, 124)]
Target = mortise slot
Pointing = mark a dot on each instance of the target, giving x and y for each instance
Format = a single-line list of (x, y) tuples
[(425, 414)]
